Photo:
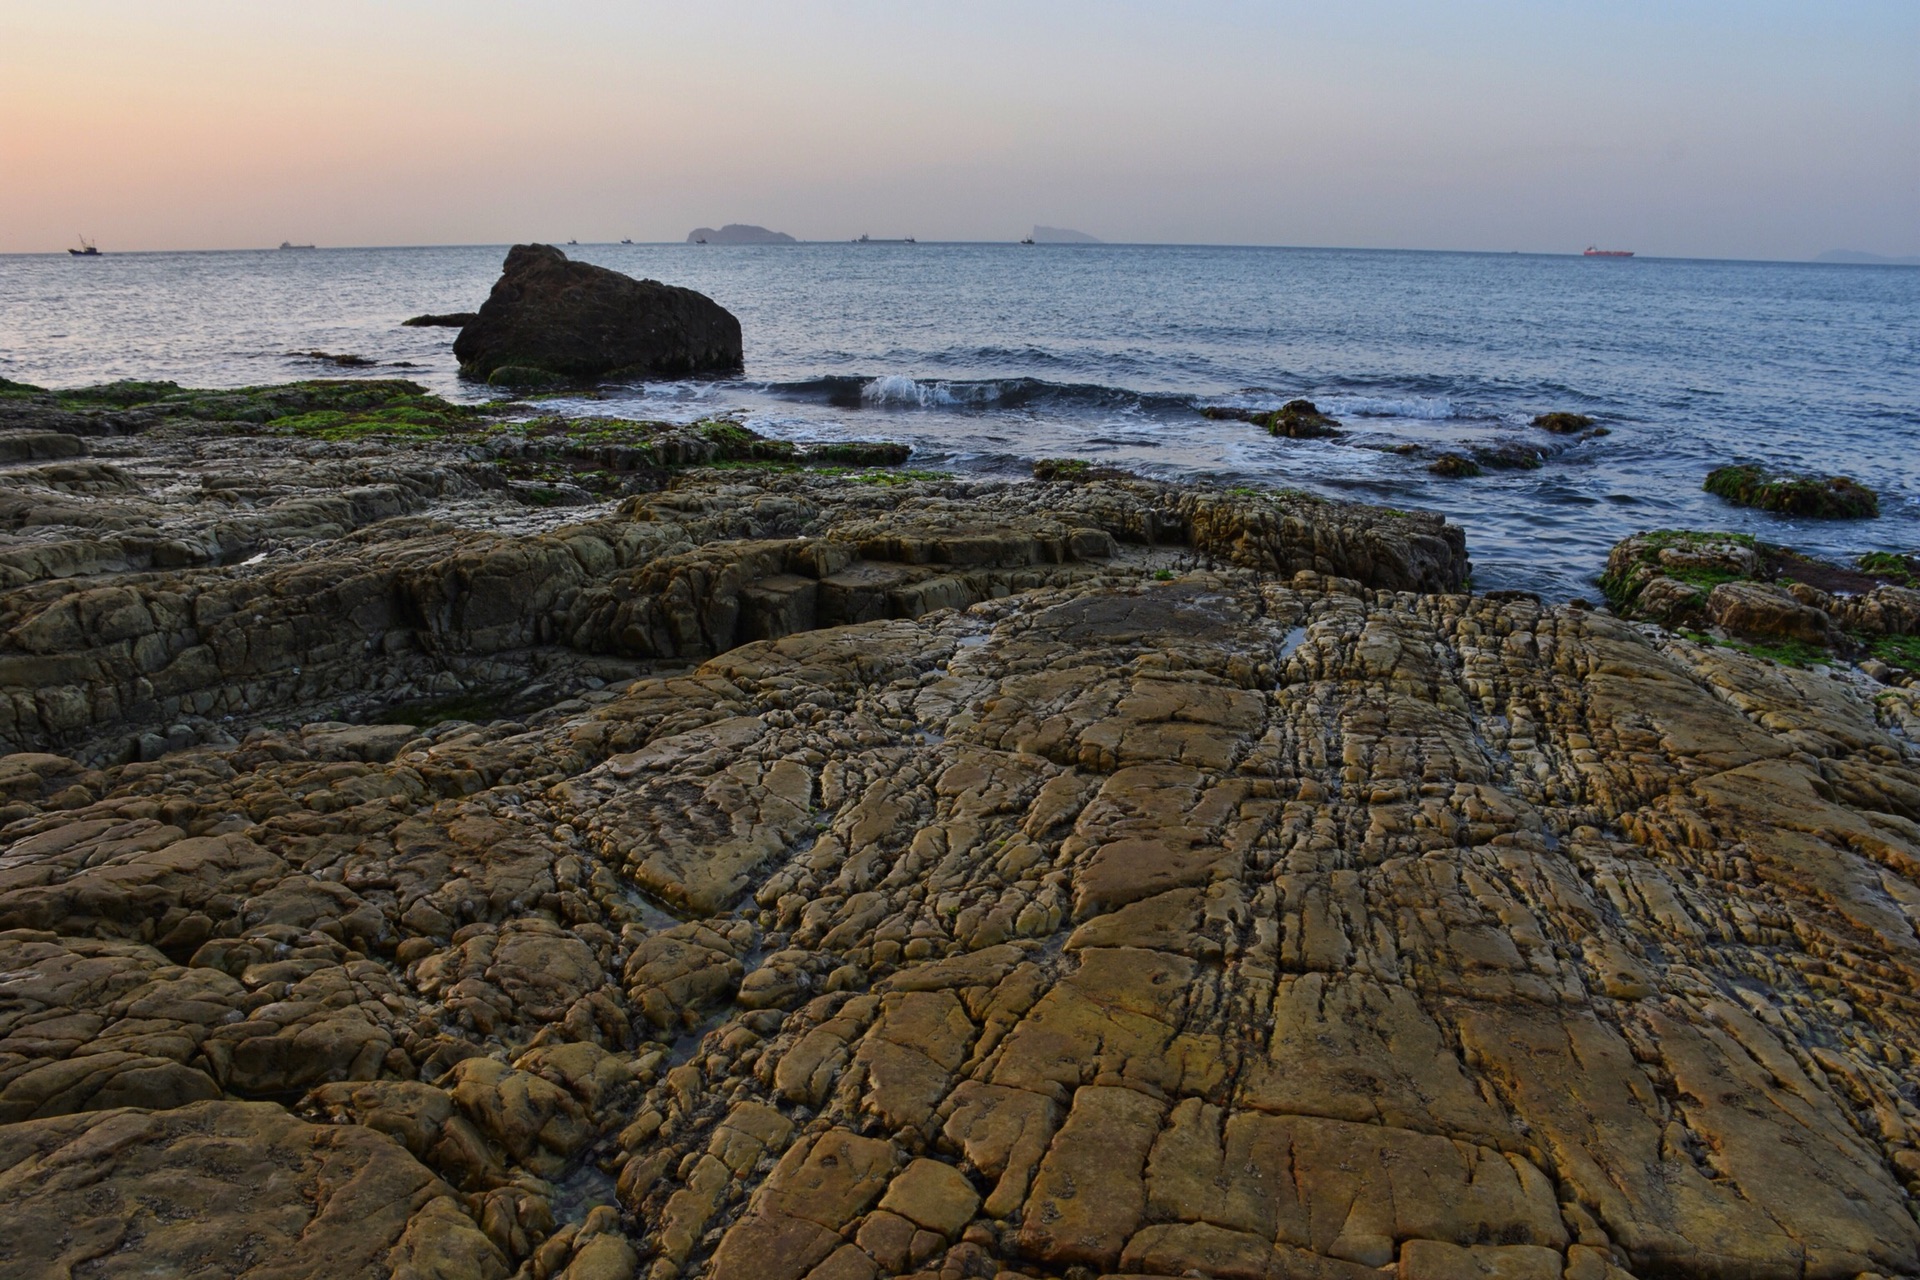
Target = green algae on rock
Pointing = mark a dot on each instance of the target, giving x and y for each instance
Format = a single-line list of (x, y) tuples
[(1454, 466), (1509, 455), (1823, 497), (1301, 420), (1296, 419), (1750, 591), (1563, 423)]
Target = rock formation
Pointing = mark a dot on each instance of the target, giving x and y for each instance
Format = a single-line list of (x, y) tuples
[(1822, 497), (1754, 593), (575, 320), (738, 233), (1295, 420), (448, 320), (902, 875)]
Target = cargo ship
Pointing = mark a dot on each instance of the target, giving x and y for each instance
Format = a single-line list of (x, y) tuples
[(1607, 253)]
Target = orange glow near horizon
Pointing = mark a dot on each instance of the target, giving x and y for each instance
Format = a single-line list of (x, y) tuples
[(214, 124)]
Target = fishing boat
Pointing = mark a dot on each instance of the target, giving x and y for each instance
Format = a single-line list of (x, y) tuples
[(626, 242), (1607, 253), (87, 249), (1028, 240)]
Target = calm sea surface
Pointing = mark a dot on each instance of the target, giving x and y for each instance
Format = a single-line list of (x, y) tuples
[(984, 357)]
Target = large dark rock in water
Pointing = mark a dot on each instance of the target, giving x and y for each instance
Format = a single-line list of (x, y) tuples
[(581, 321)]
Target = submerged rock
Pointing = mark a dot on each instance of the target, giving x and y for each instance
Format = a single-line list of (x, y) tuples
[(576, 320), (1301, 420), (1454, 466), (449, 320), (1296, 419), (1823, 497), (1509, 455), (1563, 423)]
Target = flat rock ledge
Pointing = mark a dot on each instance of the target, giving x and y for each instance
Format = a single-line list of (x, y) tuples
[(962, 880)]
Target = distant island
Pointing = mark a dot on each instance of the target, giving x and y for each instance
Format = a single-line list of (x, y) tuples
[(1874, 259), (738, 233), (1063, 235)]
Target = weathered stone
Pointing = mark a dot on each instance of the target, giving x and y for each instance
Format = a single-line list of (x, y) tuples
[(1273, 921), (581, 321), (935, 1195), (127, 1192)]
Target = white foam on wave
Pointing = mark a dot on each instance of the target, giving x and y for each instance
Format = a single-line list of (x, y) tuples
[(901, 392), (1428, 408)]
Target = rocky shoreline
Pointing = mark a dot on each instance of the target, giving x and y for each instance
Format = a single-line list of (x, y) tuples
[(443, 842)]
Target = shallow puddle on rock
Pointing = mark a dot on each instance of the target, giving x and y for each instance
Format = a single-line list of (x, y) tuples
[(647, 912), (580, 1190), (1294, 639)]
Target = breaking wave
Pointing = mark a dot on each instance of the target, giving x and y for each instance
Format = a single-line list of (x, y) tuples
[(897, 391)]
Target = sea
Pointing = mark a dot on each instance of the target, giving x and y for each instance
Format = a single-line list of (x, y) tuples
[(985, 357)]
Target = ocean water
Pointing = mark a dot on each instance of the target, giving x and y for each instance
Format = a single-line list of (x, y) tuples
[(985, 357)]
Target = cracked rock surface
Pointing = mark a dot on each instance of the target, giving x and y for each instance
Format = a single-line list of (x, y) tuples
[(1058, 880)]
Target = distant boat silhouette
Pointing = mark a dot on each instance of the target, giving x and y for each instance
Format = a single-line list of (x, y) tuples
[(626, 242), (573, 242), (288, 244), (701, 240), (871, 240), (1592, 252), (87, 249), (1028, 240)]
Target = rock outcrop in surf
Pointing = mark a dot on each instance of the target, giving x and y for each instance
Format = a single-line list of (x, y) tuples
[(549, 315)]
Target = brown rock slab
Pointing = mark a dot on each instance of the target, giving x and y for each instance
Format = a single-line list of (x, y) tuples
[(127, 1192)]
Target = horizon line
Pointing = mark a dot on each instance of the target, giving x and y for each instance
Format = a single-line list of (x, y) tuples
[(1874, 259)]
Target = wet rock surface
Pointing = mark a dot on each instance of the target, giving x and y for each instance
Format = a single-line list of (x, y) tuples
[(1822, 497), (1064, 880)]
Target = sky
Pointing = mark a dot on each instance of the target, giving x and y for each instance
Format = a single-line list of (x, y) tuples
[(1748, 129)]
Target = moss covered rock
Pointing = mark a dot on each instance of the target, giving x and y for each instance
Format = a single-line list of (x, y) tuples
[(524, 377), (1509, 455), (1294, 420), (858, 453), (1565, 424), (1454, 466), (1665, 575), (1763, 597), (1301, 420), (1822, 497)]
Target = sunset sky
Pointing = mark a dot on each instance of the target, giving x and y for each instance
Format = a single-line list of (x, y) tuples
[(1752, 129)]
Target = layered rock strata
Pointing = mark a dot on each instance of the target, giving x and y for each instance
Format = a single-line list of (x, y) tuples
[(173, 586), (1083, 910)]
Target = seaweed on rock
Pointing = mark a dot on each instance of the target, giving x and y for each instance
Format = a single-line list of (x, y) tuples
[(1821, 497)]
